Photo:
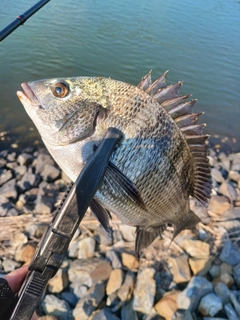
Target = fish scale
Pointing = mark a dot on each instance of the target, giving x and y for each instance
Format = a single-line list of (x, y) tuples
[(159, 163)]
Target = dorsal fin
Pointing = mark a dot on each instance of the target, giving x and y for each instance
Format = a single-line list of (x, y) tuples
[(181, 112)]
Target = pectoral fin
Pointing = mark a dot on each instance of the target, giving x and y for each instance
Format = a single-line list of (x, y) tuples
[(102, 214), (121, 186)]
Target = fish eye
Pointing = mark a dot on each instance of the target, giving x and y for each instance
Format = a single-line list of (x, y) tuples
[(60, 89)]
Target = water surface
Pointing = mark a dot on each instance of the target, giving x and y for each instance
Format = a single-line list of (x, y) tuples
[(197, 41)]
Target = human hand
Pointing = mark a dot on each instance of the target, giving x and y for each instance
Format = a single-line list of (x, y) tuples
[(14, 280)]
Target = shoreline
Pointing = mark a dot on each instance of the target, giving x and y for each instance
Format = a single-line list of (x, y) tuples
[(103, 273)]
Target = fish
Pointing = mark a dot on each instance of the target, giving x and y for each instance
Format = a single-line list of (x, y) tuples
[(160, 162)]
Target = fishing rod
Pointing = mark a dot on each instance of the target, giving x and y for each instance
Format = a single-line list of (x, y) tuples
[(21, 19)]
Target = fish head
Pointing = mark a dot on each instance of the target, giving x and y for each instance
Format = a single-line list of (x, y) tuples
[(64, 110)]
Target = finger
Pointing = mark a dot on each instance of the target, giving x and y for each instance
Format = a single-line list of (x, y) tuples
[(16, 277), (34, 317)]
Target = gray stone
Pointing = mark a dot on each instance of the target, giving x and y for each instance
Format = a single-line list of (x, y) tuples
[(12, 212), (5, 205), (91, 270), (28, 181), (8, 190), (228, 190), (86, 248), (126, 290), (56, 307), (115, 280), (114, 258), (50, 172), (189, 298), (42, 160), (11, 165), (128, 232), (215, 271), (104, 238), (5, 176), (78, 289), (10, 265), (106, 314), (24, 159), (127, 311), (216, 174), (89, 302), (230, 254), (70, 298), (11, 156), (145, 291), (234, 175), (19, 171), (73, 249), (230, 312), (222, 292), (43, 205), (210, 305), (215, 318), (182, 315), (60, 281), (236, 274), (235, 299)]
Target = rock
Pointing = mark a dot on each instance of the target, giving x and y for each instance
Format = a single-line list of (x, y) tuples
[(11, 157), (10, 265), (89, 302), (145, 291), (47, 318), (127, 311), (56, 307), (225, 278), (20, 171), (179, 268), (215, 271), (73, 249), (195, 248), (235, 301), (167, 306), (42, 160), (234, 175), (230, 312), (78, 289), (230, 254), (129, 261), (189, 298), (112, 300), (25, 253), (5, 206), (236, 274), (60, 281), (28, 181), (228, 190), (126, 290), (222, 292), (200, 267), (115, 280), (182, 315), (8, 189), (65, 177), (114, 258), (105, 314), (5, 176), (70, 298), (93, 270), (210, 305), (50, 173), (24, 159), (86, 248), (18, 239), (128, 232), (219, 204), (216, 175)]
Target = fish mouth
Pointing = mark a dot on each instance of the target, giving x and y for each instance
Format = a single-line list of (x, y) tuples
[(27, 95)]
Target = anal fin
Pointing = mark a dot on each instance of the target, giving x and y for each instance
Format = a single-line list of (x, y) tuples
[(145, 237)]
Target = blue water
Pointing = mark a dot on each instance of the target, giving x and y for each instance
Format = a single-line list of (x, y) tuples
[(197, 41)]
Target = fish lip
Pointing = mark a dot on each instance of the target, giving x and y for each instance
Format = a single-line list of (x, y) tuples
[(29, 95)]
